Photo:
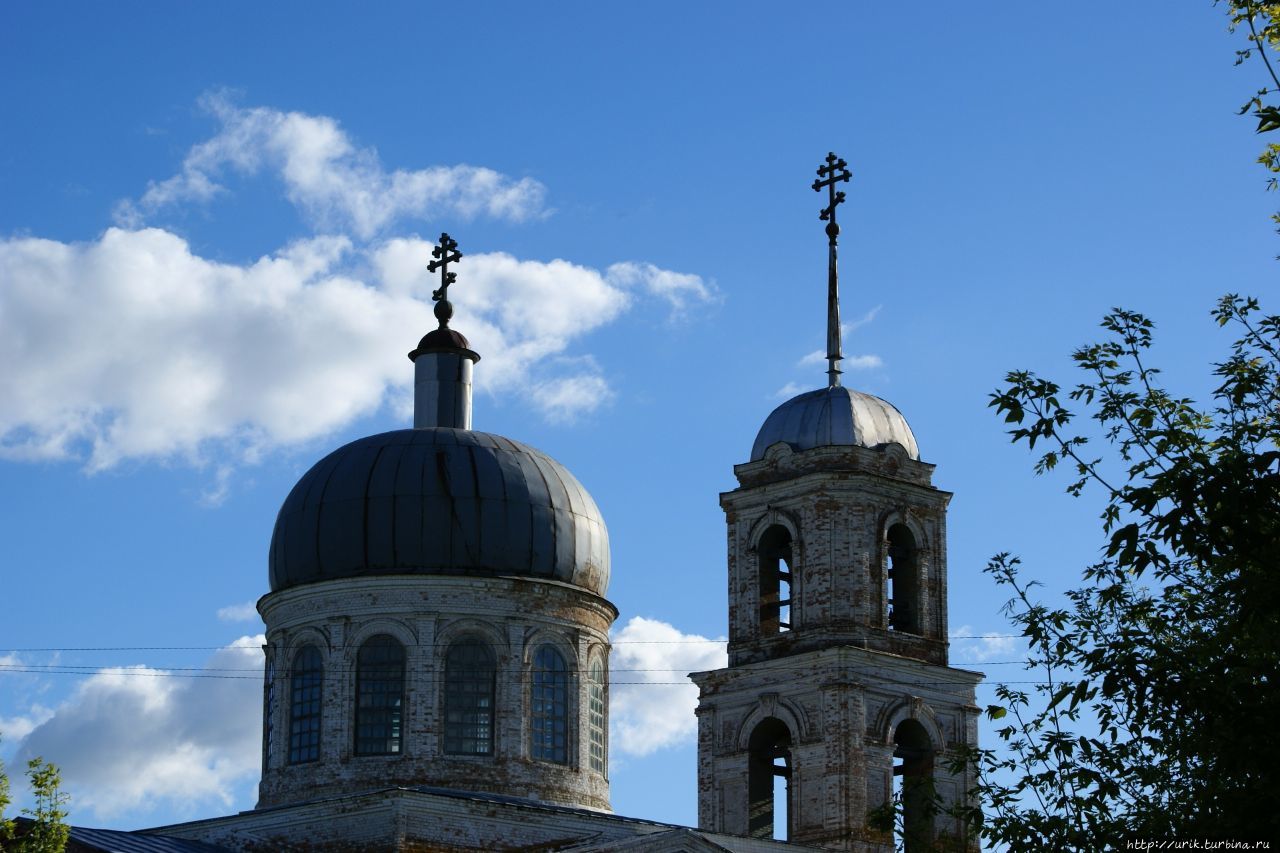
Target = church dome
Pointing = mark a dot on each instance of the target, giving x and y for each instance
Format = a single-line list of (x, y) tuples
[(835, 416), (439, 501)]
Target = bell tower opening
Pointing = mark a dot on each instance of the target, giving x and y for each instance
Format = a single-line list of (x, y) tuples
[(775, 580), (902, 580), (913, 787), (769, 781)]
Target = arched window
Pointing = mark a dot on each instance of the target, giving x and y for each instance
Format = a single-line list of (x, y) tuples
[(469, 675), (774, 549), (549, 709), (902, 580), (769, 781), (379, 696), (913, 787), (306, 678), (596, 721), (268, 706)]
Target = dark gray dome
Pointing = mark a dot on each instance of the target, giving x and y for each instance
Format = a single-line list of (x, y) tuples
[(439, 501), (833, 416)]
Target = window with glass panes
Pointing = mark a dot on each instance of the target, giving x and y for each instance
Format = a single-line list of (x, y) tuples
[(306, 678), (596, 721), (549, 711), (379, 696), (469, 699)]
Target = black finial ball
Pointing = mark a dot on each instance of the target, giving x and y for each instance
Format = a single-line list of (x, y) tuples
[(444, 310), (833, 230)]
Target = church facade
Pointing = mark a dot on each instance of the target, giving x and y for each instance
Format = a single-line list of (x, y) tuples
[(437, 644)]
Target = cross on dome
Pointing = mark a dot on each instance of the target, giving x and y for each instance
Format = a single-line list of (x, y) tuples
[(446, 253)]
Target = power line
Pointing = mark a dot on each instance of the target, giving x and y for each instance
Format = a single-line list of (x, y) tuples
[(700, 641), (135, 667), (257, 675)]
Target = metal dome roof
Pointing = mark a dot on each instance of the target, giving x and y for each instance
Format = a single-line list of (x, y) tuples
[(439, 501), (834, 416)]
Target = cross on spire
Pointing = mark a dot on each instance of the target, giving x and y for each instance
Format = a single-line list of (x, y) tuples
[(835, 171), (829, 175), (446, 253)]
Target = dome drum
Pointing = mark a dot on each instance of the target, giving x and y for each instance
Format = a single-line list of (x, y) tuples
[(428, 617)]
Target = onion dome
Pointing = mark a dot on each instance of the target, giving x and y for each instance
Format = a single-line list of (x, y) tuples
[(835, 416), (439, 501)]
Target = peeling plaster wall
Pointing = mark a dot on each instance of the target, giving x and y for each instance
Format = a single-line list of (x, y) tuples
[(841, 680)]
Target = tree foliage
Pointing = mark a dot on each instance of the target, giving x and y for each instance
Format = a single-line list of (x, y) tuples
[(1153, 714), (46, 831), (1154, 717), (1260, 19)]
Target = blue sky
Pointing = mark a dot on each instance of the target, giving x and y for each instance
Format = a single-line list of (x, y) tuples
[(213, 222)]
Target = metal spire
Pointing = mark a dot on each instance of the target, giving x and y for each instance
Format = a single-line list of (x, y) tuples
[(446, 253), (828, 176)]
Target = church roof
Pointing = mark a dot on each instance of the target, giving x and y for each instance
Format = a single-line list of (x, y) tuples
[(835, 416), (83, 839), (425, 817), (439, 501)]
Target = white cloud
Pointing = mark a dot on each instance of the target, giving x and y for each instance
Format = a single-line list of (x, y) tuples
[(135, 347), (564, 399), (854, 362), (846, 328), (861, 362), (328, 177), (987, 646), (246, 612), (786, 392), (679, 290), (652, 702), (132, 738), (132, 346)]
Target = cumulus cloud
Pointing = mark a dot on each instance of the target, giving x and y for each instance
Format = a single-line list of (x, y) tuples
[(136, 347), (133, 346), (333, 181), (681, 291), (246, 612), (565, 398), (652, 701), (987, 646), (786, 392), (132, 738)]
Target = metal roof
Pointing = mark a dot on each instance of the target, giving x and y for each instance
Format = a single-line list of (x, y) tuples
[(116, 841), (835, 416), (439, 501)]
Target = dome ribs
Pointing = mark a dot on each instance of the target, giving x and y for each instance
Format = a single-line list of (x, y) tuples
[(439, 501)]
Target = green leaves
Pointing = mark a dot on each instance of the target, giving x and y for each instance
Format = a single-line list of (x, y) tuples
[(1152, 679), (47, 832)]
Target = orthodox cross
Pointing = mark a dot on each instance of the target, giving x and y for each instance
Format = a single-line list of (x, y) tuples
[(835, 170), (829, 175), (446, 253)]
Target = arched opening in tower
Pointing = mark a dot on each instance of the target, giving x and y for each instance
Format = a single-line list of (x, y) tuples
[(769, 781), (774, 549), (913, 787), (902, 580)]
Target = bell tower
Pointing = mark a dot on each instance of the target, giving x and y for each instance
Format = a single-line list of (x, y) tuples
[(837, 717)]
